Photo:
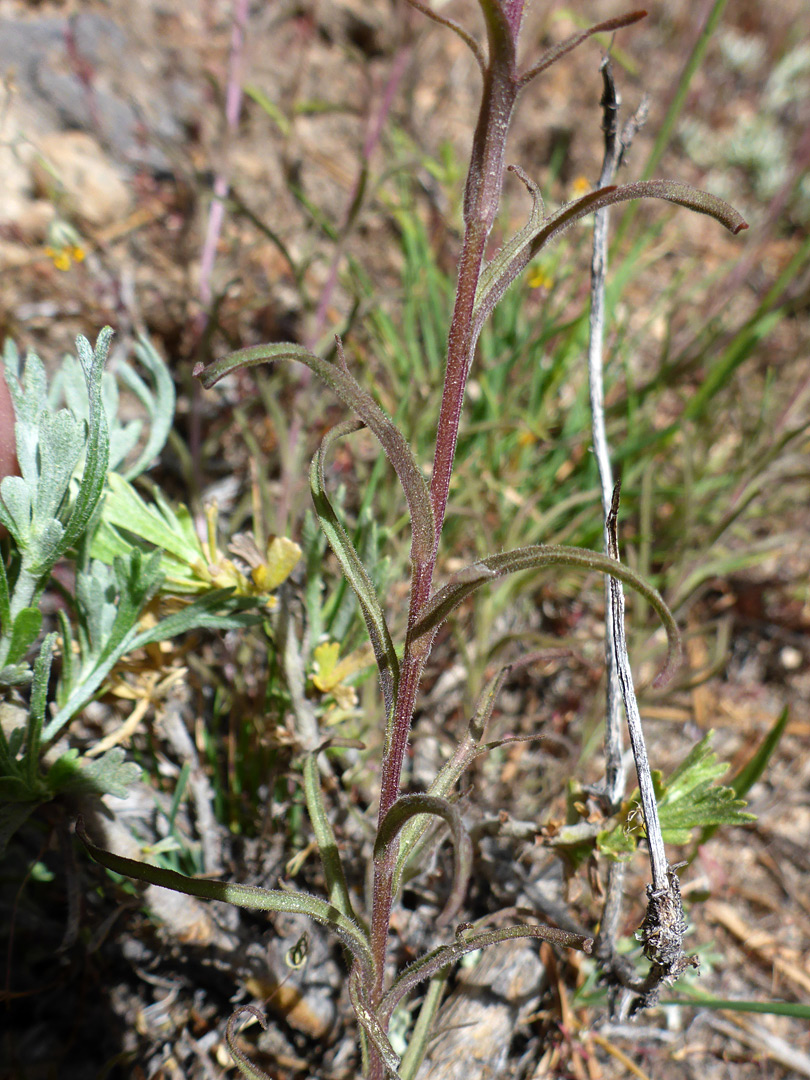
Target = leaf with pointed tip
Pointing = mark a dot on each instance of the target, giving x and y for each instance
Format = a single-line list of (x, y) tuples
[(518, 252), (23, 634), (204, 613), (446, 599), (346, 387), (243, 1062), (37, 706), (409, 806), (553, 54), (246, 896), (431, 963), (159, 403), (325, 837), (353, 569), (468, 749), (457, 29), (97, 453)]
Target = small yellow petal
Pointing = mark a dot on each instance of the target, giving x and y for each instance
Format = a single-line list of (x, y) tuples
[(282, 557), (326, 657), (581, 186)]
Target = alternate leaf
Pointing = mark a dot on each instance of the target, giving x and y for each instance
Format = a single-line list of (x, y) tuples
[(446, 599), (354, 570), (346, 387), (517, 253), (337, 888), (246, 896), (409, 806)]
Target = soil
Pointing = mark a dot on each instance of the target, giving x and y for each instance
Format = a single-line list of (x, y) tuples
[(112, 139)]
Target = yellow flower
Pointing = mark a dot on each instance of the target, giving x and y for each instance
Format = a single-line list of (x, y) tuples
[(331, 673), (64, 257), (539, 279), (581, 186)]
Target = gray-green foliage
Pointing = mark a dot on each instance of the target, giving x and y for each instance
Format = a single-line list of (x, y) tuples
[(52, 511)]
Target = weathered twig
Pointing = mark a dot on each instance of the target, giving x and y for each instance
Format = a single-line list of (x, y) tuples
[(614, 769), (663, 927)]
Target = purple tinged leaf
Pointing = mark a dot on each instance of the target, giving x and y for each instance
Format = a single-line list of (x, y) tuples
[(451, 595), (243, 1062), (518, 252), (346, 387), (451, 24), (429, 964), (417, 805), (369, 1021), (556, 51)]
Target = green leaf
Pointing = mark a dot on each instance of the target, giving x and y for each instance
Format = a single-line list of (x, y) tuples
[(5, 600), (370, 1023), (432, 962), (110, 773), (204, 613), (756, 765), (446, 599), (97, 452), (38, 704), (409, 806), (769, 1008), (159, 403), (346, 387), (690, 798), (243, 1062), (246, 896), (470, 747), (15, 509), (23, 634), (354, 570), (336, 886), (12, 816), (517, 253)]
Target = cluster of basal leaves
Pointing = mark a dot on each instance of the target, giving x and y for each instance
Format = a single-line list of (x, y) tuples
[(73, 504)]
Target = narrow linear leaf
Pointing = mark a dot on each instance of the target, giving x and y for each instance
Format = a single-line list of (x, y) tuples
[(202, 614), (346, 387), (431, 963), (23, 634), (554, 53), (325, 837), (468, 749), (457, 29), (38, 704), (519, 252), (529, 558), (5, 599), (243, 1062), (246, 896), (354, 570), (409, 806), (769, 1008), (159, 403), (756, 765)]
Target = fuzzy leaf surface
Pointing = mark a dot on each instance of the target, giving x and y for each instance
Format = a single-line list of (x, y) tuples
[(346, 387)]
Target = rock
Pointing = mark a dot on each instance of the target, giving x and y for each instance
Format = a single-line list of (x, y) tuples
[(74, 171)]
